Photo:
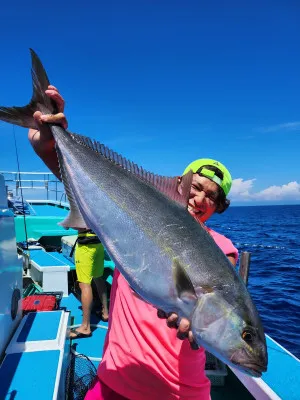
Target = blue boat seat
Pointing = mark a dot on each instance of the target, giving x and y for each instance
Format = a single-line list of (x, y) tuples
[(44, 260), (38, 331), (29, 375), (37, 357), (51, 270)]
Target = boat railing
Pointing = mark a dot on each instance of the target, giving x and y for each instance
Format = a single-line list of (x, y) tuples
[(45, 182), (245, 266)]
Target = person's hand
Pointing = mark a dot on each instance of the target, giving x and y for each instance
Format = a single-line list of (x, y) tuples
[(183, 327), (41, 138)]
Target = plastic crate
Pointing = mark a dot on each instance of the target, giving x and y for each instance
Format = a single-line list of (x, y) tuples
[(38, 302), (215, 370), (58, 296), (44, 301)]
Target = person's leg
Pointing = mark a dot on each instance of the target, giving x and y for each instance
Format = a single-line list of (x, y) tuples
[(90, 265), (98, 270), (84, 266), (102, 292), (86, 303)]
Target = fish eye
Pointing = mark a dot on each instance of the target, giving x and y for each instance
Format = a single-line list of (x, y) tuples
[(247, 336)]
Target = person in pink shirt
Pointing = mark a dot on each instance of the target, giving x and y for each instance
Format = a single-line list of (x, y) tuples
[(143, 358)]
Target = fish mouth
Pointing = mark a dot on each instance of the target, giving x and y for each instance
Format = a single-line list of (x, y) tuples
[(253, 369)]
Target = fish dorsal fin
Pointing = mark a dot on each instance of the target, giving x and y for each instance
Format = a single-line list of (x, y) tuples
[(74, 219), (166, 185)]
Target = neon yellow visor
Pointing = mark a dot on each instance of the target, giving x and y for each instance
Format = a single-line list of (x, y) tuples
[(201, 163)]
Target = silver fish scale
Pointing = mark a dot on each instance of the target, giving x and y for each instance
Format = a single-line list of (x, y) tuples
[(163, 225)]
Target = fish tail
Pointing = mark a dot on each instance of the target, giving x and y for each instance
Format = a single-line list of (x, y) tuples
[(23, 116)]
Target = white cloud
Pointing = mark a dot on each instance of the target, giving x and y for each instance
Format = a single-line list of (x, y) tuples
[(290, 191), (244, 191), (241, 189), (287, 127)]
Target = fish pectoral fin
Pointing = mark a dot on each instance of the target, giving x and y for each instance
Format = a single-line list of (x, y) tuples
[(183, 283), (74, 219)]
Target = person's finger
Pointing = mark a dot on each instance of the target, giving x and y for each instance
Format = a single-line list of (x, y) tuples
[(161, 314), (52, 118), (57, 98), (53, 88), (191, 336), (193, 344), (37, 117), (181, 335), (59, 119), (172, 320), (184, 326), (183, 329), (42, 133)]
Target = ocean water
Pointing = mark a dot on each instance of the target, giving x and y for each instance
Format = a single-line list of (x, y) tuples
[(272, 235)]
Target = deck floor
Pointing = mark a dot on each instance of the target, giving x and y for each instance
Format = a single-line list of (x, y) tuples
[(92, 347)]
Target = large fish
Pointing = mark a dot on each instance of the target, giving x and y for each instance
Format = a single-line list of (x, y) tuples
[(165, 255)]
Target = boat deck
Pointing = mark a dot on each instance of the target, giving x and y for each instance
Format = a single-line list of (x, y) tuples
[(280, 382)]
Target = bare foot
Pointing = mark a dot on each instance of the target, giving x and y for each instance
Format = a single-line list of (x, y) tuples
[(80, 332), (104, 316)]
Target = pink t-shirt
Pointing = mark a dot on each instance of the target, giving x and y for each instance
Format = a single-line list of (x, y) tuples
[(143, 359)]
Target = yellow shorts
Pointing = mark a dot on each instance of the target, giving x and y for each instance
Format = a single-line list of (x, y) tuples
[(89, 261)]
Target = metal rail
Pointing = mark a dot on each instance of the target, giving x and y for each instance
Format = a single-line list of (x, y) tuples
[(245, 266), (17, 181)]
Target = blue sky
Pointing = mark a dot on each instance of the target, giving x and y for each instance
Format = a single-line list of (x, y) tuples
[(167, 82)]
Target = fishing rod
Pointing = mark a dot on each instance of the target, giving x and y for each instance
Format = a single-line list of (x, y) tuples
[(22, 198)]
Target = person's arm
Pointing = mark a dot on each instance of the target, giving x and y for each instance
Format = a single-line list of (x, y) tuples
[(41, 138)]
